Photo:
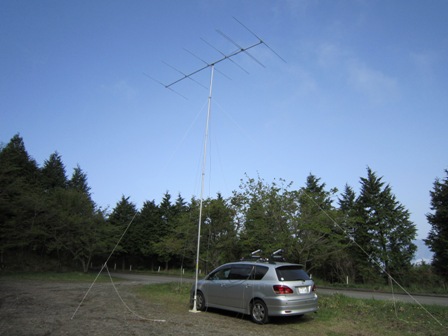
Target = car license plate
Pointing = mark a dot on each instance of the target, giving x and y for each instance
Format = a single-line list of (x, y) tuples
[(303, 290)]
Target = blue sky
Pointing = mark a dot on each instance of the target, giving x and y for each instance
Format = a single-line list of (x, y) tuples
[(364, 84)]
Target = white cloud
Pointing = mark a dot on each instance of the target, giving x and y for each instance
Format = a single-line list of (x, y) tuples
[(376, 85), (124, 89), (424, 62), (121, 89), (329, 54), (300, 7)]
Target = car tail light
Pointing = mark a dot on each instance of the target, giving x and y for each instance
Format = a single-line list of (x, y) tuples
[(282, 290)]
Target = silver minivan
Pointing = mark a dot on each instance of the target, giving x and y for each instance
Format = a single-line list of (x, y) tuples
[(259, 289)]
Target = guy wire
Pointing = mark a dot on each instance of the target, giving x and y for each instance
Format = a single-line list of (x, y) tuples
[(104, 265)]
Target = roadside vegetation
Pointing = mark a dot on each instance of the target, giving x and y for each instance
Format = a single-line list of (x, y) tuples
[(50, 222)]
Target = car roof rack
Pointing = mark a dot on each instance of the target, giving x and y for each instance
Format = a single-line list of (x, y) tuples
[(256, 256)]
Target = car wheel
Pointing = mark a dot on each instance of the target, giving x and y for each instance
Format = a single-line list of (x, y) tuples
[(200, 301), (259, 312)]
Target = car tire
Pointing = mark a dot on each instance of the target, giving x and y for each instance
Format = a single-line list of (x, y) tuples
[(200, 301), (259, 312)]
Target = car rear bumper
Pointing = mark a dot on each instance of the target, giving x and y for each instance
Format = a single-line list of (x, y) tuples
[(282, 306)]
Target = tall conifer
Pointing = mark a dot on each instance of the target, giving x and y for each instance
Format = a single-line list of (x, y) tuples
[(438, 235)]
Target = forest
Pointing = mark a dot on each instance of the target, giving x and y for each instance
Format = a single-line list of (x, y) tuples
[(49, 221)]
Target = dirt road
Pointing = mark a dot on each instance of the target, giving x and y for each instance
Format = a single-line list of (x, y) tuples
[(29, 308)]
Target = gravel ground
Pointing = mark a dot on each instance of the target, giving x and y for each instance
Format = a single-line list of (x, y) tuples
[(48, 308)]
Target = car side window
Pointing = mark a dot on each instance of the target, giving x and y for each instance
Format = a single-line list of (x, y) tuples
[(259, 272), (221, 274), (240, 272)]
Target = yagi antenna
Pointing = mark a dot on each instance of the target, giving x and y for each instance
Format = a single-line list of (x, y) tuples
[(196, 56), (241, 48), (230, 59), (212, 64), (185, 76), (157, 81), (224, 57), (250, 31)]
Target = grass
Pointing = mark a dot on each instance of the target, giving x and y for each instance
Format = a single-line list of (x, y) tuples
[(418, 287), (338, 315), (174, 296), (377, 317)]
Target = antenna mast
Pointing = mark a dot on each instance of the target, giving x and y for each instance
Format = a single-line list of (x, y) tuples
[(204, 162)]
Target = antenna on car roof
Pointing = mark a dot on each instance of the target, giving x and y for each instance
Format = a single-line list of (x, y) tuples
[(277, 252), (278, 255), (254, 253)]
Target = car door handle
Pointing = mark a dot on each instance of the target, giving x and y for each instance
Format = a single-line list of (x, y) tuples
[(247, 286)]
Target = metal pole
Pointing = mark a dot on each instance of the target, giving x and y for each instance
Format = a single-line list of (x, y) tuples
[(204, 164)]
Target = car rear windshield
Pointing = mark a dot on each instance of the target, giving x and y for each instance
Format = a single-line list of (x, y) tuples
[(291, 273)]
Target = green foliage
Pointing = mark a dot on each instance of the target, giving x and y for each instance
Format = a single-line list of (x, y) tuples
[(53, 173), (272, 216), (19, 196), (219, 233), (262, 213), (44, 214), (148, 227), (383, 231), (438, 235), (318, 237), (433, 282), (78, 181), (122, 232), (75, 227)]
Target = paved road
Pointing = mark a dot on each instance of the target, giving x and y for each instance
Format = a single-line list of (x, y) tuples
[(422, 299)]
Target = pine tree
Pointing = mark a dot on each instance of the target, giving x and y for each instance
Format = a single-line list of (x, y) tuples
[(344, 264), (262, 213), (317, 236), (220, 237), (20, 197), (53, 173), (176, 228), (120, 218), (78, 181), (166, 229), (149, 221), (385, 232), (437, 239), (74, 228)]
